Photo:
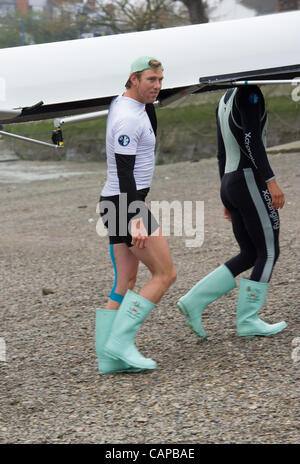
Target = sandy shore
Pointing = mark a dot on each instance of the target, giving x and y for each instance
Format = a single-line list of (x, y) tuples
[(55, 271)]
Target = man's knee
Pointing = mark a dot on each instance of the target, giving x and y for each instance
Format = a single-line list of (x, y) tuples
[(168, 277), (173, 276)]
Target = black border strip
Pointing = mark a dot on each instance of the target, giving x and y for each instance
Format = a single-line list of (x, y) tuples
[(289, 72)]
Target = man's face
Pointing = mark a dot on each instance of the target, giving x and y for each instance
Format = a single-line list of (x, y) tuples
[(148, 86)]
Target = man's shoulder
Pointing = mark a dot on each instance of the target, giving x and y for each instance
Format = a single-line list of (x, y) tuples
[(249, 95), (122, 111), (128, 103)]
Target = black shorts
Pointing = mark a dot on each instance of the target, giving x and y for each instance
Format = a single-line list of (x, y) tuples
[(116, 219)]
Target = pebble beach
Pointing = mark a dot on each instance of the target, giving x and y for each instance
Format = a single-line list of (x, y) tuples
[(55, 272)]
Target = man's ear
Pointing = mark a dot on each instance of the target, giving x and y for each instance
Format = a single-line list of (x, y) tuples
[(133, 79)]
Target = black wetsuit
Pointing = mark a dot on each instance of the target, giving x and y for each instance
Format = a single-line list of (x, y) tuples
[(244, 170)]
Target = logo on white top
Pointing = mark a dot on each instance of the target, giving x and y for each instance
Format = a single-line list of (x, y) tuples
[(124, 140)]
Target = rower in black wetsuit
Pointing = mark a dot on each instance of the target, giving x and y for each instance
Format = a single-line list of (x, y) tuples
[(251, 197)]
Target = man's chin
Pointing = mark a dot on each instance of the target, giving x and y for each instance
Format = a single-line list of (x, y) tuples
[(152, 99)]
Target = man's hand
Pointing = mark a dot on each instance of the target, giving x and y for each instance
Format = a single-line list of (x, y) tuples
[(276, 193), (227, 214), (138, 233)]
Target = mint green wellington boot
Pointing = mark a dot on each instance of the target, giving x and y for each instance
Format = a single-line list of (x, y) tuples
[(251, 299), (120, 346), (207, 290), (104, 322)]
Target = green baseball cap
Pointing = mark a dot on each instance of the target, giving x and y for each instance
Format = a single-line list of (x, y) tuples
[(141, 63)]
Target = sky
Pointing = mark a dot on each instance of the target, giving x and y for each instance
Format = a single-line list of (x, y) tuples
[(228, 9)]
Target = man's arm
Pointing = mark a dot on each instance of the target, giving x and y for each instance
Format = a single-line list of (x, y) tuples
[(221, 153), (221, 156), (126, 136), (250, 102), (125, 169)]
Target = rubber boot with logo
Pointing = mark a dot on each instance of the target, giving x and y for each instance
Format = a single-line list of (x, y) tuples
[(251, 299), (120, 346), (207, 290), (104, 322)]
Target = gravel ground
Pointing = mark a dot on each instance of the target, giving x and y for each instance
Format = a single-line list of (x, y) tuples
[(56, 271)]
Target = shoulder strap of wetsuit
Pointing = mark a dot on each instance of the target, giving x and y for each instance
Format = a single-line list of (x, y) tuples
[(152, 116)]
